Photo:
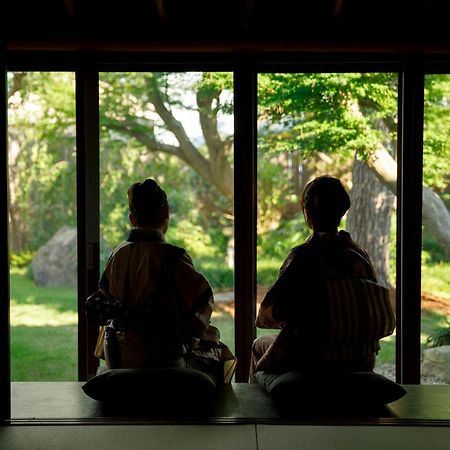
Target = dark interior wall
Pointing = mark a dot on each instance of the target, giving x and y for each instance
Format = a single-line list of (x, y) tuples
[(258, 25)]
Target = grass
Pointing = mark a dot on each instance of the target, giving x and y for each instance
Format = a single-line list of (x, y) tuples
[(431, 320), (44, 321), (43, 331)]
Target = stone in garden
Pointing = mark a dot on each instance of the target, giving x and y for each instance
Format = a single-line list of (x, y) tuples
[(55, 263), (436, 363)]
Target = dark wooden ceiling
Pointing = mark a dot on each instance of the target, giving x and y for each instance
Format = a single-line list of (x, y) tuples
[(229, 24)]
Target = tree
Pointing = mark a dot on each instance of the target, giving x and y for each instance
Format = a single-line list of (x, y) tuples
[(179, 123), (144, 106), (41, 156), (349, 114), (369, 218), (174, 125)]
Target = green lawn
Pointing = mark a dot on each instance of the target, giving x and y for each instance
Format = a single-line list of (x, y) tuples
[(43, 331), (44, 323)]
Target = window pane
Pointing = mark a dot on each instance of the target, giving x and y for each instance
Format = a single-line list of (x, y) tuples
[(327, 123), (436, 232), (178, 129), (42, 218)]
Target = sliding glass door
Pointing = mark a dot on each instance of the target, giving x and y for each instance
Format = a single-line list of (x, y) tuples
[(177, 128), (42, 226), (338, 124), (435, 311)]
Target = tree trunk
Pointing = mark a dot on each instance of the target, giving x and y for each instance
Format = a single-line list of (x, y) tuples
[(369, 218), (435, 215)]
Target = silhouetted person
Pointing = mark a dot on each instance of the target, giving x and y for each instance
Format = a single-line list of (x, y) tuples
[(161, 304), (293, 302)]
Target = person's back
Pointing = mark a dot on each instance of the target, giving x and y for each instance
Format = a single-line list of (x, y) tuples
[(165, 305), (295, 303), (160, 278)]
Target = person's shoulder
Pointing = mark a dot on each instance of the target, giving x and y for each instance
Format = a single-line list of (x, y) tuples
[(178, 254), (176, 250), (121, 249), (302, 249), (299, 249), (348, 242), (296, 256)]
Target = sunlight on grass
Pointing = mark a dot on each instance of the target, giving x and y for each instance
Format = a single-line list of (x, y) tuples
[(44, 322), (43, 330), (40, 316), (37, 306)]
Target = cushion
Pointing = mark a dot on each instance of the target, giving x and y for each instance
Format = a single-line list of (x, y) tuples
[(332, 386), (162, 387)]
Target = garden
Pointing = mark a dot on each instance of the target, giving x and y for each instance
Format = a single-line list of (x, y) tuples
[(178, 129)]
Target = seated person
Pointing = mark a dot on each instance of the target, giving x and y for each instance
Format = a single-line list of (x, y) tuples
[(293, 302), (155, 305)]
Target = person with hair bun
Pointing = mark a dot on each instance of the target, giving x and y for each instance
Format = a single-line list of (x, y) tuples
[(156, 306), (293, 302)]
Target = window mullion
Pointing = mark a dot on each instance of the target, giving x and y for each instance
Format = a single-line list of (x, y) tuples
[(5, 361), (409, 198), (245, 113), (88, 211)]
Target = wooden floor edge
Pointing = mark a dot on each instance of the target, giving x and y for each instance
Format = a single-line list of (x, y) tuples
[(391, 422)]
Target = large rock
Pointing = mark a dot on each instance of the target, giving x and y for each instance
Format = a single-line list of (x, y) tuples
[(436, 363), (55, 263)]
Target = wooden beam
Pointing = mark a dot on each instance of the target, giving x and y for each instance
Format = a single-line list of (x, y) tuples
[(409, 223), (88, 212), (245, 89), (5, 362)]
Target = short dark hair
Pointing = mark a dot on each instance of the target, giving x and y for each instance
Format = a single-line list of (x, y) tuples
[(146, 201), (326, 201)]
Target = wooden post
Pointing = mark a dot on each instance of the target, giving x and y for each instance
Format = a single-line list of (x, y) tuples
[(245, 89)]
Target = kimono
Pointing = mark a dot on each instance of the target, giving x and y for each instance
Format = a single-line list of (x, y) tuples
[(295, 304), (154, 303)]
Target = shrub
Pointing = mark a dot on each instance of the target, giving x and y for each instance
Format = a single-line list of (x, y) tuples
[(21, 259), (440, 337)]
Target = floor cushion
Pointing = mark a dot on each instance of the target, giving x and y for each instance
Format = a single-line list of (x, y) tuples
[(341, 387), (153, 389)]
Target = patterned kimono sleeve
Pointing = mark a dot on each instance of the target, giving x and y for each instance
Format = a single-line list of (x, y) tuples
[(100, 306), (195, 295)]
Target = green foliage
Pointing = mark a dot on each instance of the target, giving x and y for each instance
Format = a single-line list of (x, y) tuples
[(436, 145), (278, 243), (21, 259), (326, 112), (130, 130), (186, 234), (216, 271), (42, 147), (436, 279), (432, 252), (268, 270), (300, 115), (440, 336)]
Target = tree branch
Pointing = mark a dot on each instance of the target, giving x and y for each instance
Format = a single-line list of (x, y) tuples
[(213, 170), (188, 151), (152, 145), (17, 83)]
